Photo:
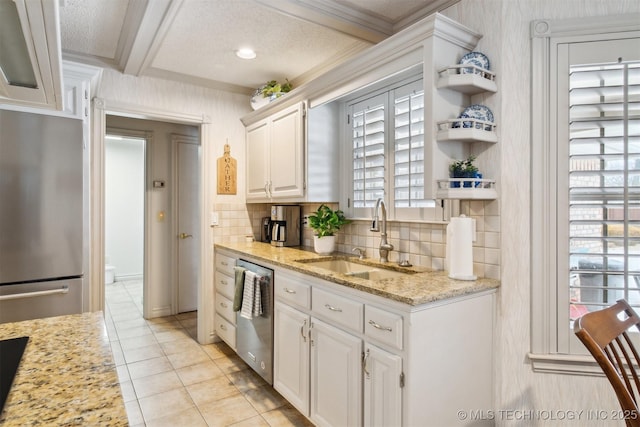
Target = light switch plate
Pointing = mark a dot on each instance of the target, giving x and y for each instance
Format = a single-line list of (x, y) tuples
[(213, 218)]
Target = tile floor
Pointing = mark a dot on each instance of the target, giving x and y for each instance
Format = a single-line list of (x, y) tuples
[(168, 379)]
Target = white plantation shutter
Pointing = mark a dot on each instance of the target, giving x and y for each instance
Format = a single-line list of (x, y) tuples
[(409, 146), (368, 138), (604, 184)]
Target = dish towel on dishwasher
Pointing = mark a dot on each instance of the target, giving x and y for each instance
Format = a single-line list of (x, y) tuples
[(239, 288), (251, 298)]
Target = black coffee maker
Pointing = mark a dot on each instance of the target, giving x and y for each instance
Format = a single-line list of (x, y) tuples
[(265, 229)]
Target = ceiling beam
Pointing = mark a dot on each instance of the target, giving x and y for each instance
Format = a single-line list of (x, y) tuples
[(335, 16), (144, 28)]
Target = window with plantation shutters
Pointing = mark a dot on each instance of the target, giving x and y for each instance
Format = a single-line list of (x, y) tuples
[(585, 185), (386, 130), (604, 185)]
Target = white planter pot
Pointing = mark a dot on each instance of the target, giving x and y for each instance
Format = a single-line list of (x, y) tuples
[(324, 245)]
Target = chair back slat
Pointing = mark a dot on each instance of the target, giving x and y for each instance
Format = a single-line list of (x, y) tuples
[(604, 334)]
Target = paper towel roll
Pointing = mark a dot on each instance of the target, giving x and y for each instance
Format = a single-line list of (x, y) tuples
[(461, 233)]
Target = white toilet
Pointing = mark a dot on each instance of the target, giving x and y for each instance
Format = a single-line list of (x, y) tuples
[(109, 274)]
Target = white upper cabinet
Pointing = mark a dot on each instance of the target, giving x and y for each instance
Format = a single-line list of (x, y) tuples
[(275, 161), (30, 58)]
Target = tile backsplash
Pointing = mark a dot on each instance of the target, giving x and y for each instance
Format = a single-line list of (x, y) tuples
[(421, 243)]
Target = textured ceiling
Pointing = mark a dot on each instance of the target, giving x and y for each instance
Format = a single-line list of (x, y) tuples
[(195, 40)]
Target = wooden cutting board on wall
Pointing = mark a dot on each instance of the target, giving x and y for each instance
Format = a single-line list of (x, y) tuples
[(227, 172)]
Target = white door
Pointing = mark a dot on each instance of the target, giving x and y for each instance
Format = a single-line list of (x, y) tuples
[(382, 388), (336, 376), (187, 196), (291, 356)]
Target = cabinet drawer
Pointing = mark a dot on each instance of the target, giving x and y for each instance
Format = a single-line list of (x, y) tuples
[(225, 284), (226, 331), (338, 309), (292, 291), (224, 307), (383, 326), (225, 264)]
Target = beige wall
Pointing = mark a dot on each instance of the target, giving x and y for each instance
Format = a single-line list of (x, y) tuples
[(505, 26)]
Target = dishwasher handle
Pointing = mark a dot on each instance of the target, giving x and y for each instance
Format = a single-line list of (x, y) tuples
[(63, 290)]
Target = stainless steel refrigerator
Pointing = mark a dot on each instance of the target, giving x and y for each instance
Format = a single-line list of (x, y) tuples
[(41, 188)]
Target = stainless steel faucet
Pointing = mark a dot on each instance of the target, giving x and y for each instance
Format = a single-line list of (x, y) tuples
[(360, 252), (385, 246)]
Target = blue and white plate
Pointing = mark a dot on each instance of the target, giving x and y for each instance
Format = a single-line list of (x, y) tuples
[(479, 112), (474, 58)]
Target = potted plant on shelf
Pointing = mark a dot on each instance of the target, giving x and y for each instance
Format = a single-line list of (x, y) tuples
[(463, 169), (268, 92), (325, 222)]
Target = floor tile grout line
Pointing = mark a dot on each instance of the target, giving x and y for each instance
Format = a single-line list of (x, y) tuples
[(112, 318)]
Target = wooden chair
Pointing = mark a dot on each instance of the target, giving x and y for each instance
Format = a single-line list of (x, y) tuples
[(604, 333)]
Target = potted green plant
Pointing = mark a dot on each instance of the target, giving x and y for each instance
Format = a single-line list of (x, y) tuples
[(325, 222), (463, 169), (273, 89)]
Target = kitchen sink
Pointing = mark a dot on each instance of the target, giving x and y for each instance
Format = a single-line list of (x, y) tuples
[(354, 269)]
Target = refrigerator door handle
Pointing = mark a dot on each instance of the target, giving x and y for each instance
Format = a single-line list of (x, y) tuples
[(62, 290)]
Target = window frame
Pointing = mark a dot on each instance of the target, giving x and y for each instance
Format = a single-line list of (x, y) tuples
[(548, 37), (430, 213)]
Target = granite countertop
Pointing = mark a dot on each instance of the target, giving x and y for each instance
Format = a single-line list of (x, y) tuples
[(420, 287), (67, 376)]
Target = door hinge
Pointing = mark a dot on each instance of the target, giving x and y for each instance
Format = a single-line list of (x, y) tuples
[(348, 202), (348, 119), (401, 379)]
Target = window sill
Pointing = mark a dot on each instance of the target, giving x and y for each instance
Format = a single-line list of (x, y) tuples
[(565, 364)]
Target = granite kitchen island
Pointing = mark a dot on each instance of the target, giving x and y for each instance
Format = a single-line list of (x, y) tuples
[(67, 375)]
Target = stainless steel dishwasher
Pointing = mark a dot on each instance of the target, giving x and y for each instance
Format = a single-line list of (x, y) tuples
[(254, 337)]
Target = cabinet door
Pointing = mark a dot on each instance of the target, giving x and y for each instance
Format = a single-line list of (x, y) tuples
[(336, 375), (258, 161), (287, 149), (291, 356), (382, 388)]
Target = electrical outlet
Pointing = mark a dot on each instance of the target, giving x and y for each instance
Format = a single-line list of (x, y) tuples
[(305, 221)]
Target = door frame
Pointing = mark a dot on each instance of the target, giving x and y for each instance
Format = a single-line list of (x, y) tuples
[(146, 274), (100, 109), (175, 140)]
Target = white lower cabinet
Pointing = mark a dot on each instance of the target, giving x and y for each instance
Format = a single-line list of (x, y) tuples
[(348, 358), (383, 381), (291, 356), (336, 396), (317, 368)]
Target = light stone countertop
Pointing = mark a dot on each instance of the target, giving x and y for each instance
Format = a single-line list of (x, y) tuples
[(66, 377), (421, 287)]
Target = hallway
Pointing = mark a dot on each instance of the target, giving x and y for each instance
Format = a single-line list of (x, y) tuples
[(168, 379)]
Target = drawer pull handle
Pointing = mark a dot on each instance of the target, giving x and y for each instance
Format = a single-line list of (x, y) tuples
[(223, 282), (332, 308), (223, 305), (382, 328), (225, 263), (304, 338), (289, 291), (224, 328)]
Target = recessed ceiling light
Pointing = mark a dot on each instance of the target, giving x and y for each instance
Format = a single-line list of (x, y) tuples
[(245, 53)]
